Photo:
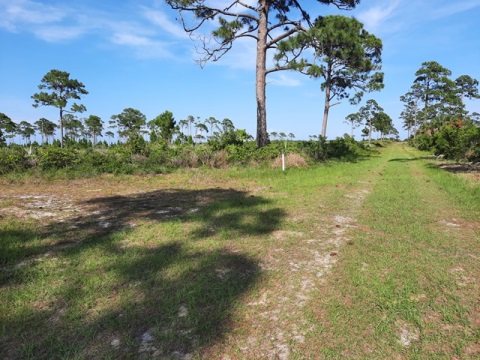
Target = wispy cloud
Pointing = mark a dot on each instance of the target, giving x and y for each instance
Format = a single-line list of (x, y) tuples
[(69, 22), (16, 14), (143, 46), (130, 40), (164, 22), (284, 79), (59, 33), (455, 7), (375, 17)]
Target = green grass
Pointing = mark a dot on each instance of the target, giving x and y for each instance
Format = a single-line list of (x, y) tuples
[(332, 261), (413, 246)]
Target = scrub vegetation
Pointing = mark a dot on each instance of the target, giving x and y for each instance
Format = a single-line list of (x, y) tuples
[(376, 258)]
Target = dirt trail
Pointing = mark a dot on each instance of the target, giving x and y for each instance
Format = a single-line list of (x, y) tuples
[(277, 318)]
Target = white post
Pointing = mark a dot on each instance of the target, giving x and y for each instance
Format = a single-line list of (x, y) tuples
[(283, 160)]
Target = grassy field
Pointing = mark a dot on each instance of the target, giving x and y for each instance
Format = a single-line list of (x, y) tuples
[(374, 259)]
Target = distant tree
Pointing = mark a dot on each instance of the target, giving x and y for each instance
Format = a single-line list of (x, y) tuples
[(291, 136), (130, 123), (46, 129), (365, 132), (163, 127), (191, 122), (344, 55), (430, 84), (410, 111), (187, 124), (368, 113), (274, 134), (354, 120), (266, 22), (26, 131), (110, 134), (466, 87), (94, 126), (439, 94), (382, 123), (408, 121), (62, 89), (73, 127), (183, 124), (227, 125), (8, 126), (213, 124), (475, 117), (200, 128)]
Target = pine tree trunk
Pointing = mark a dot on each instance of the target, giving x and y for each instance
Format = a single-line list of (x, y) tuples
[(370, 132), (261, 73), (61, 127), (325, 112)]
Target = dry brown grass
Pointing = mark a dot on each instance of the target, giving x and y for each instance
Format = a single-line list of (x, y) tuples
[(291, 161)]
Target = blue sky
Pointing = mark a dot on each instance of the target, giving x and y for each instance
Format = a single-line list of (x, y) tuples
[(133, 53)]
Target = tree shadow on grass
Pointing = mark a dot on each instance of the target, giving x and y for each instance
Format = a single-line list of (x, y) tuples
[(411, 159), (102, 299), (99, 217), (456, 168)]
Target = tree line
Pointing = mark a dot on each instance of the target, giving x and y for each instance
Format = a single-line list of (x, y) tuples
[(189, 142), (131, 124), (335, 49), (435, 114)]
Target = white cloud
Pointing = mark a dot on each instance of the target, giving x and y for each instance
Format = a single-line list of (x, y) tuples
[(283, 79), (375, 17), (17, 14), (59, 33), (63, 23), (455, 8), (143, 46), (130, 39), (162, 20)]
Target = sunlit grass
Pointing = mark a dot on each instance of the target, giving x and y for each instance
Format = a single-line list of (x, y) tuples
[(397, 291), (215, 263)]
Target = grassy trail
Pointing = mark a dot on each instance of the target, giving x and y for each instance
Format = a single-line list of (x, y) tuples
[(374, 259), (409, 288)]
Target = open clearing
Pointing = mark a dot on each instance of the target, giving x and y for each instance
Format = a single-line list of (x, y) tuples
[(375, 259)]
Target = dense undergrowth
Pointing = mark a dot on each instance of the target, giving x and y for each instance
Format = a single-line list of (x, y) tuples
[(451, 138), (141, 157)]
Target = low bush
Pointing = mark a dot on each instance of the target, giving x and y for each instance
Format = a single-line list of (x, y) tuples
[(138, 156), (13, 159), (458, 143), (52, 157), (456, 140), (422, 142), (346, 148)]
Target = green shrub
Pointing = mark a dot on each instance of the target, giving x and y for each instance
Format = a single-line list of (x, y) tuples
[(97, 161), (240, 155), (204, 155), (267, 153), (52, 157), (458, 141), (13, 159), (422, 142), (346, 148)]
